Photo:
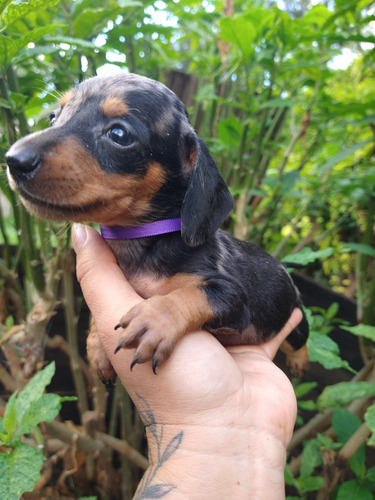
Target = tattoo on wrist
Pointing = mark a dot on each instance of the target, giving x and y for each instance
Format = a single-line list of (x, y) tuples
[(149, 487)]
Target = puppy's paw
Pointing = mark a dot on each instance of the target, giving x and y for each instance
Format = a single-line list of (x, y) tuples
[(98, 359), (152, 328), (297, 361)]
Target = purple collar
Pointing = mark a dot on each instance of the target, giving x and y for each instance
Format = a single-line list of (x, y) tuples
[(131, 232)]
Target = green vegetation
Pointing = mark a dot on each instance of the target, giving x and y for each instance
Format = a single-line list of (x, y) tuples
[(20, 462), (285, 99)]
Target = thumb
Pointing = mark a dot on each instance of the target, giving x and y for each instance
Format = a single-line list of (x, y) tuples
[(107, 292), (273, 345)]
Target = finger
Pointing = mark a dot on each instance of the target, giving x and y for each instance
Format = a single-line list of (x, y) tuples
[(107, 292), (272, 346)]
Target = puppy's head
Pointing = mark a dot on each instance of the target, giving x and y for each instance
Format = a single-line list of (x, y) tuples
[(120, 151)]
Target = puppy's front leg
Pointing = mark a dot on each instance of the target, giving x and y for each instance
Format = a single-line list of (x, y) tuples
[(154, 326), (98, 359)]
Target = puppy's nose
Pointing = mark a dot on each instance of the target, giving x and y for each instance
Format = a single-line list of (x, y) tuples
[(22, 163)]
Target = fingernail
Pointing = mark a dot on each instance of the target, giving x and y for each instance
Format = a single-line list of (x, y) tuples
[(79, 235)]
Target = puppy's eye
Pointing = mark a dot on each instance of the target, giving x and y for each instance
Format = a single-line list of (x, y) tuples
[(120, 135), (52, 117)]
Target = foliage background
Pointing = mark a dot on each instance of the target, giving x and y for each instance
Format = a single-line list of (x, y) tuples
[(284, 96)]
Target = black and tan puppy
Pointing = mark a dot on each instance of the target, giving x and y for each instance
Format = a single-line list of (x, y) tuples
[(120, 151)]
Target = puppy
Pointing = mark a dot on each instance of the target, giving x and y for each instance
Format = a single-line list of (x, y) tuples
[(121, 152)]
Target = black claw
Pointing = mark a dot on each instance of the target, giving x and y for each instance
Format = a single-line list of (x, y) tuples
[(134, 362), (118, 348), (117, 326), (155, 364)]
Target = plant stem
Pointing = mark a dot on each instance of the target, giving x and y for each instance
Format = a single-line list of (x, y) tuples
[(71, 321)]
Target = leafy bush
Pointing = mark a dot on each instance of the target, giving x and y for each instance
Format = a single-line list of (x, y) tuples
[(21, 462)]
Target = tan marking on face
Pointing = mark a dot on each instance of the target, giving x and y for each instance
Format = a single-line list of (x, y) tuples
[(70, 185), (66, 98), (114, 106), (193, 155)]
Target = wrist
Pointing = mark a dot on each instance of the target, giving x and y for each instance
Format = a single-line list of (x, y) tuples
[(214, 463)]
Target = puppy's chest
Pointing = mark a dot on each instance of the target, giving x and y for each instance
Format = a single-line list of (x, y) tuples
[(147, 285), (146, 276)]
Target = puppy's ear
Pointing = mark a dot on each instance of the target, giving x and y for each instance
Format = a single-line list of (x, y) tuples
[(207, 200)]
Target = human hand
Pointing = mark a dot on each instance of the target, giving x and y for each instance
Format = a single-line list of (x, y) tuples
[(218, 420)]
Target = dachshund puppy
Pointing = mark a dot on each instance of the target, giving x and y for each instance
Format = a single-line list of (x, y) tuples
[(121, 152)]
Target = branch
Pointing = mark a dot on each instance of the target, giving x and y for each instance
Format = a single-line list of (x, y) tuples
[(99, 444), (58, 342), (357, 439)]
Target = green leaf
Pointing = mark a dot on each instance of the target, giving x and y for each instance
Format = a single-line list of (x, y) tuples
[(239, 31), (327, 442), (316, 16), (357, 462), (311, 483), (344, 38), (342, 155), (34, 390), (371, 440), (325, 351), (278, 103), (344, 393), (311, 458), (359, 248), (351, 490), (17, 99), (230, 131), (361, 330), (370, 474), (7, 48), (77, 42), (365, 119), (370, 417), (20, 8), (289, 180), (304, 388), (307, 405), (91, 20), (3, 4), (5, 104), (19, 470), (332, 311), (344, 424), (11, 47), (288, 476), (43, 409), (307, 255), (10, 415)]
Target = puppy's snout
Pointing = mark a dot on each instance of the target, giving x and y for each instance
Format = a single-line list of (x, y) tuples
[(23, 163)]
